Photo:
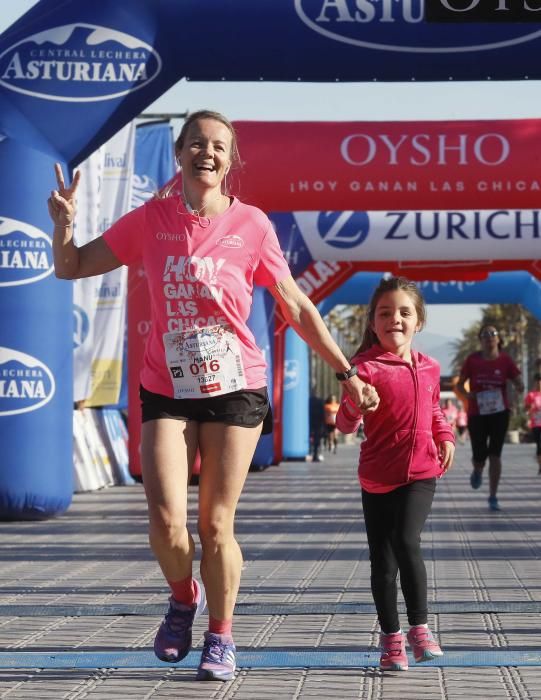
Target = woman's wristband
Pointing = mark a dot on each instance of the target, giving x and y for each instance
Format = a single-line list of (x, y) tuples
[(351, 372)]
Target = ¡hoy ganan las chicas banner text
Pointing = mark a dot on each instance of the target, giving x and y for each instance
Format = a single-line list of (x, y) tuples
[(391, 165)]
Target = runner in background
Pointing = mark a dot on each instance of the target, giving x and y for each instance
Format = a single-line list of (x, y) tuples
[(317, 426), (532, 402), (488, 372), (331, 409), (461, 423), (450, 413)]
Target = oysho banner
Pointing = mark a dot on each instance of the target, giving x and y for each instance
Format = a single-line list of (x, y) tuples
[(100, 302), (391, 165)]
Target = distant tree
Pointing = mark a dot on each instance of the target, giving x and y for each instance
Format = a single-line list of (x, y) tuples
[(465, 346), (346, 325)]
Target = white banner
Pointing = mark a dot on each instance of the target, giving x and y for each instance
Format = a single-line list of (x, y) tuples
[(513, 234), (100, 302)]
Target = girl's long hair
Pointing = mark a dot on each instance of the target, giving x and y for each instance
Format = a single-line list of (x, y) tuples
[(392, 284)]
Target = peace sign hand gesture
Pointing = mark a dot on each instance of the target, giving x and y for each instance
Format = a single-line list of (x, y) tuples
[(61, 203)]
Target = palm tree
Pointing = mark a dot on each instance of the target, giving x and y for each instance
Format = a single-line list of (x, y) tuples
[(345, 324)]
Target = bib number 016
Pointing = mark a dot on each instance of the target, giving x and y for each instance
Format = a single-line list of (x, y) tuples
[(204, 367)]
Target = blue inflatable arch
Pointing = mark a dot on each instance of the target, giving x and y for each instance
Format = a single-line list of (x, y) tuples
[(498, 288), (72, 73)]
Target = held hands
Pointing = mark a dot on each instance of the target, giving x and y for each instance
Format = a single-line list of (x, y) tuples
[(61, 203), (446, 450), (363, 395)]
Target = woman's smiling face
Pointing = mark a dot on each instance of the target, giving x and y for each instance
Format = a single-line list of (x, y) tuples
[(205, 156)]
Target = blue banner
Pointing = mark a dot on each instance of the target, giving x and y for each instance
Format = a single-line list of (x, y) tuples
[(295, 429), (36, 348), (73, 73), (261, 323)]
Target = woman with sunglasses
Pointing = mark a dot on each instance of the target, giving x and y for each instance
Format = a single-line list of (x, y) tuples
[(488, 372)]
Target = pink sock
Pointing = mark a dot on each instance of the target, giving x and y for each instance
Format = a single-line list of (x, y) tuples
[(220, 626), (183, 591)]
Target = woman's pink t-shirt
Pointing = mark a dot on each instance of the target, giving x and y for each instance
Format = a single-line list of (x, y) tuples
[(201, 273)]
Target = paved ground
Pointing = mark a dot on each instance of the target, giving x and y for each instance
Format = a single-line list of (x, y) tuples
[(81, 597)]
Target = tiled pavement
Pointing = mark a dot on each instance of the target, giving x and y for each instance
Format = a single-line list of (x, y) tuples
[(83, 590)]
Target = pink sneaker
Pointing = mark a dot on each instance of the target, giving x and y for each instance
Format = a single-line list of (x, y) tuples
[(393, 652), (174, 638), (218, 659), (423, 644)]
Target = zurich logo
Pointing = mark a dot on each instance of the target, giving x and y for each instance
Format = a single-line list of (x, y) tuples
[(343, 229), (400, 27), (26, 253), (81, 326), (26, 384), (78, 63)]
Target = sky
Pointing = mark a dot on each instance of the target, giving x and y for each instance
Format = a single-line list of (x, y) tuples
[(349, 101)]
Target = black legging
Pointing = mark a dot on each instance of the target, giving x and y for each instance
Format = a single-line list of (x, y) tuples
[(537, 437), (394, 522)]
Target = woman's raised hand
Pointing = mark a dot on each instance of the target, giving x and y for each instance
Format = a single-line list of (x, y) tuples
[(61, 203)]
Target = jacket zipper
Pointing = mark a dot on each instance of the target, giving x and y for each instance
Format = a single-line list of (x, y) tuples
[(413, 371)]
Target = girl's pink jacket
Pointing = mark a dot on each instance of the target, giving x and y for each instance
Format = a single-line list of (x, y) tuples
[(402, 435)]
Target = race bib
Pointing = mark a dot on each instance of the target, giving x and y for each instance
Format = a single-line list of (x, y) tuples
[(204, 361), (490, 401)]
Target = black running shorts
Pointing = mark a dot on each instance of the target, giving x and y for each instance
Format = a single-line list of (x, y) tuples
[(247, 408), (487, 434)]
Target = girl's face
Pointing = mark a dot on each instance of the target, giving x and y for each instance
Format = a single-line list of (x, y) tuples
[(395, 322), (205, 156)]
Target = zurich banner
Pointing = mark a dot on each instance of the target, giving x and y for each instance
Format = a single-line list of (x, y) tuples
[(404, 235)]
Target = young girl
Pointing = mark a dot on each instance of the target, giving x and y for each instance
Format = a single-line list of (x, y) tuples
[(408, 445), (532, 403)]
